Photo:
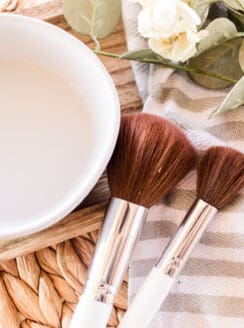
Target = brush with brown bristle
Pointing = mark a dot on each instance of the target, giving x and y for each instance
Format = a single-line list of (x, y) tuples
[(151, 156), (220, 177)]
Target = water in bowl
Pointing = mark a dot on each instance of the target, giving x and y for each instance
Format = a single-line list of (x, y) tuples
[(45, 138)]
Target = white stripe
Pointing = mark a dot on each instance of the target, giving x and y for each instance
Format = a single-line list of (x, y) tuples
[(192, 320), (198, 120), (148, 249), (218, 253), (227, 223), (224, 222), (215, 286), (212, 286), (202, 140)]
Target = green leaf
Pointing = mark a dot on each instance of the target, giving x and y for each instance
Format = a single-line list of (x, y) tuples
[(145, 55), (97, 18), (201, 7), (238, 18), (241, 56), (235, 4), (139, 55), (218, 53), (220, 30), (233, 100), (222, 60)]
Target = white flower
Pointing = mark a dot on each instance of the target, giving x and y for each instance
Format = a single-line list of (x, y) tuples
[(156, 19), (179, 47), (164, 18), (143, 3), (171, 26)]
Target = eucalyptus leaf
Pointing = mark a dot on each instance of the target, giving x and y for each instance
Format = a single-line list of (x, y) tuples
[(235, 4), (222, 59), (143, 55), (202, 9), (238, 18), (233, 100), (241, 56), (220, 30), (151, 58), (97, 18), (148, 56)]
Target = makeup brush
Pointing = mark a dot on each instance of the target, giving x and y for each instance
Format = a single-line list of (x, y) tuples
[(220, 177), (151, 157)]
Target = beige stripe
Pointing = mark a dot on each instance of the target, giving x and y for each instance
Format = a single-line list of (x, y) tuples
[(165, 229), (215, 305), (180, 199), (142, 268), (195, 267), (182, 81), (225, 240), (201, 251), (158, 229), (202, 267), (163, 94), (228, 131)]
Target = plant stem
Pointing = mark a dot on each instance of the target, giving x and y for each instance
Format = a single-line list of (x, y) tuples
[(107, 54), (185, 68), (97, 43)]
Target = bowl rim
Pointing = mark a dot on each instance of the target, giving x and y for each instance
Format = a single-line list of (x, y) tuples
[(77, 193)]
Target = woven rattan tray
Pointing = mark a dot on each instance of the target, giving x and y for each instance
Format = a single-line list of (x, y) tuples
[(41, 276)]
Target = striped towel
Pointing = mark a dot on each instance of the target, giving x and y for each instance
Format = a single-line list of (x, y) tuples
[(210, 291)]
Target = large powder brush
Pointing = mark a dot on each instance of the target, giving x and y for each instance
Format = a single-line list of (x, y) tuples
[(151, 156), (220, 178)]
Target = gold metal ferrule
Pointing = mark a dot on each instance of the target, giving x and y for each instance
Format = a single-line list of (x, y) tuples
[(187, 236)]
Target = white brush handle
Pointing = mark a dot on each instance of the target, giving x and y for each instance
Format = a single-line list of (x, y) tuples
[(148, 300), (90, 314)]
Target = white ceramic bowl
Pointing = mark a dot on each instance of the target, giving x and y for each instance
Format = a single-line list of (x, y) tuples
[(50, 158)]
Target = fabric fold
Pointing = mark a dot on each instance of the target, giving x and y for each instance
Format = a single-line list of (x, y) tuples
[(217, 263)]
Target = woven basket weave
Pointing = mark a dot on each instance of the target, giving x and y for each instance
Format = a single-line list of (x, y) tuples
[(41, 289)]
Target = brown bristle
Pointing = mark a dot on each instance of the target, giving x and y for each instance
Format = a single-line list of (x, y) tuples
[(220, 176), (151, 156)]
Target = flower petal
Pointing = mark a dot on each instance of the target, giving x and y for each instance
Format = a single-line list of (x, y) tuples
[(187, 13)]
